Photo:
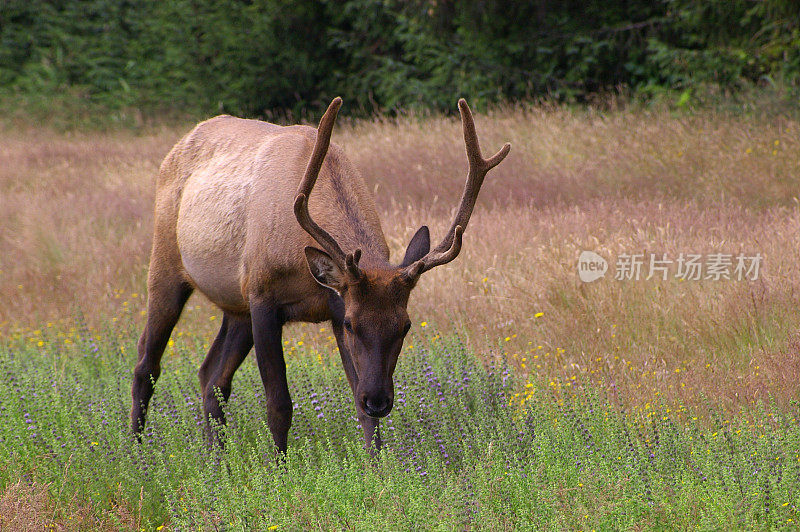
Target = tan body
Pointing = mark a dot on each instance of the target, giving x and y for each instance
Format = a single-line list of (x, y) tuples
[(224, 207), (235, 219)]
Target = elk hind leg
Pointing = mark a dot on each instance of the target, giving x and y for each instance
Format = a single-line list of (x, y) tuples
[(166, 297), (212, 358), (235, 347)]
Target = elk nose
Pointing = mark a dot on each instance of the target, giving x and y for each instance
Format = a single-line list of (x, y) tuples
[(377, 406)]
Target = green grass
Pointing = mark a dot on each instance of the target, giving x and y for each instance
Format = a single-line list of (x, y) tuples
[(467, 446)]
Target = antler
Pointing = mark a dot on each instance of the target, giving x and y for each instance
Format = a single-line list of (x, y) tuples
[(450, 246), (328, 243)]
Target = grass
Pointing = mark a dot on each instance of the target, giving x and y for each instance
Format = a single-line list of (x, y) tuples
[(467, 445), (632, 362), (77, 226)]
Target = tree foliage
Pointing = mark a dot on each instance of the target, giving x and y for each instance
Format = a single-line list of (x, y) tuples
[(259, 57)]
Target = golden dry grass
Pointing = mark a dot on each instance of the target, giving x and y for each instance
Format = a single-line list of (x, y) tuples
[(31, 506), (76, 224)]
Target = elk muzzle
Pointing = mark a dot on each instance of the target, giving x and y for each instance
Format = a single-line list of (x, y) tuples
[(377, 404)]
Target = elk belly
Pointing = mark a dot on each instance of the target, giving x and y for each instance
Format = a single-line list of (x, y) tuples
[(211, 232)]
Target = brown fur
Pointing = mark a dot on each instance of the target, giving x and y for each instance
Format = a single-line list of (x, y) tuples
[(224, 218), (224, 225)]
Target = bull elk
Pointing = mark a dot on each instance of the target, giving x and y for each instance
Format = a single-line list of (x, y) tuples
[(234, 219)]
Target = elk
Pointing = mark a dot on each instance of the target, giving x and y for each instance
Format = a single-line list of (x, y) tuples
[(235, 219)]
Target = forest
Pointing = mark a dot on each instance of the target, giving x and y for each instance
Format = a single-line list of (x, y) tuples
[(287, 59)]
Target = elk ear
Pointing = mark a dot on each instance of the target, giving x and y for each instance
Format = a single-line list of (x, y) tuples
[(419, 246), (324, 269)]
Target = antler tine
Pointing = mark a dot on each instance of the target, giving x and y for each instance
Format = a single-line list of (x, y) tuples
[(310, 178), (449, 248), (478, 167), (351, 261)]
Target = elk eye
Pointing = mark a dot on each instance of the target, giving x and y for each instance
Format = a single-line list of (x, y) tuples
[(406, 328), (348, 326)]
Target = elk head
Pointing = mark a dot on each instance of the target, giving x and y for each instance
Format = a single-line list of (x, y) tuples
[(374, 320)]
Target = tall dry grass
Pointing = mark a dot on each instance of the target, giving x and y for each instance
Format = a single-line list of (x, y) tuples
[(26, 505), (76, 228)]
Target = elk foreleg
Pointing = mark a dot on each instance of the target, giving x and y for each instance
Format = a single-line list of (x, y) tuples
[(267, 328)]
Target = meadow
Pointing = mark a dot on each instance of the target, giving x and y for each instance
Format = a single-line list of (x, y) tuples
[(530, 398)]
